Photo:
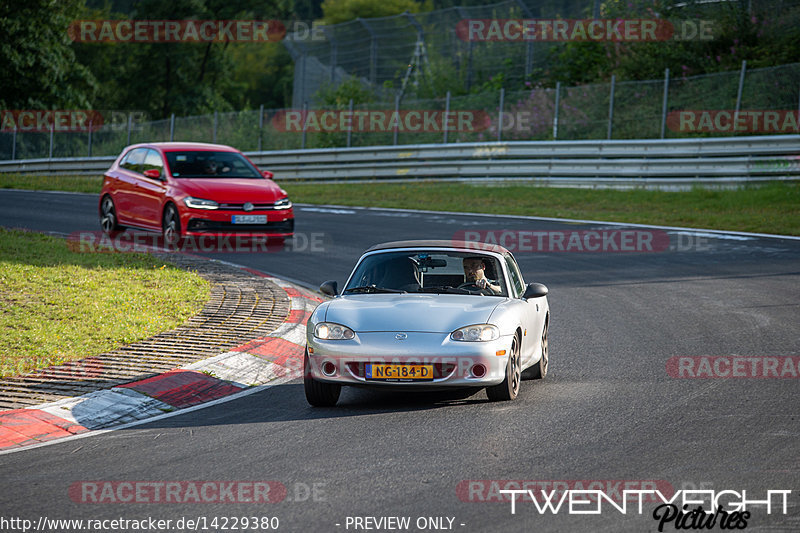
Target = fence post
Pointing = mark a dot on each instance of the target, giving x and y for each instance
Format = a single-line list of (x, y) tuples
[(555, 114), (500, 114), (260, 126), (305, 122), (373, 50), (14, 144), (333, 57), (739, 90), (90, 138), (172, 127), (52, 133), (350, 129), (446, 115), (664, 103), (468, 78), (397, 114), (611, 106), (214, 136), (130, 121)]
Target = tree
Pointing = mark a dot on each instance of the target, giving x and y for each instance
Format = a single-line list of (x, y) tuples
[(39, 68), (187, 78)]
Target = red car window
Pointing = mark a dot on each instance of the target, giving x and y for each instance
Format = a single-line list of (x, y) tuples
[(134, 159)]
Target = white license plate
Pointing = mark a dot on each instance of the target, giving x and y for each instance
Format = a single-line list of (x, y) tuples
[(249, 219)]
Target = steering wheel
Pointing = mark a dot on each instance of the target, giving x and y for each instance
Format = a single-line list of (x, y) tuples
[(473, 286)]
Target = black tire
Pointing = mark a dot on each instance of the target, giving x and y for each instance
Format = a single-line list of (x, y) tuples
[(539, 370), (171, 227), (319, 393), (509, 388), (108, 217)]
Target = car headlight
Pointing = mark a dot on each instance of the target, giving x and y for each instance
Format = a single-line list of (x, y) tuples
[(283, 203), (476, 333), (199, 203), (333, 332)]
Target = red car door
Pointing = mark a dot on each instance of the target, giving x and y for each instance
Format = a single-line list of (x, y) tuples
[(127, 177), (150, 191)]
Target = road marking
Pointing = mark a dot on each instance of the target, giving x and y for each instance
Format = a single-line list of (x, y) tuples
[(693, 231)]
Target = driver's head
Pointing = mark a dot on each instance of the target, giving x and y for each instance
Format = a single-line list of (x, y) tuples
[(473, 268), (210, 166)]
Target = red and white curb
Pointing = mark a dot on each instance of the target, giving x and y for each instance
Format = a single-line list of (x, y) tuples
[(271, 360)]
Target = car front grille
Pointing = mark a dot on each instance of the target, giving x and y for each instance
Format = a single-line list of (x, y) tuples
[(240, 207), (212, 226)]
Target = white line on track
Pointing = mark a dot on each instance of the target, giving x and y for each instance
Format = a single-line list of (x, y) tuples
[(348, 209), (693, 231)]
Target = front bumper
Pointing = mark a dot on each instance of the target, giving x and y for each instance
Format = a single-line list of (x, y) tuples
[(279, 223), (454, 363)]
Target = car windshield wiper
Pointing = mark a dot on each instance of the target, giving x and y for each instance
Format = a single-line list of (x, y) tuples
[(369, 289), (445, 290)]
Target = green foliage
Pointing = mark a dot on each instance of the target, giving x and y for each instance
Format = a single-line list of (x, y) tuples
[(263, 75), (336, 11), (39, 70), (338, 96), (580, 62), (190, 78)]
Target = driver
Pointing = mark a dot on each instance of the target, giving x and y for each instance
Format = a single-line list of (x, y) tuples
[(210, 167), (474, 272)]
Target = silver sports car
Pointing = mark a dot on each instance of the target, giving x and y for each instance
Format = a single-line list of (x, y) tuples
[(428, 314)]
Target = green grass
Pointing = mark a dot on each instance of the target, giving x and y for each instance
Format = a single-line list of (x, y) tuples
[(90, 184), (769, 208), (58, 305)]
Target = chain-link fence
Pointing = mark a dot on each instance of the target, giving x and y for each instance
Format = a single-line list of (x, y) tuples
[(616, 110)]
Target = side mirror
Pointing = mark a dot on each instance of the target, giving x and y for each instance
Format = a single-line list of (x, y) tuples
[(153, 173), (534, 290), (267, 174), (331, 288)]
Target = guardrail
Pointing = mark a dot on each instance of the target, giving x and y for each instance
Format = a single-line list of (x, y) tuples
[(721, 161)]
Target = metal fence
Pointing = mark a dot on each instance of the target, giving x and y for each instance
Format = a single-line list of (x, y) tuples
[(673, 163), (617, 110), (417, 54)]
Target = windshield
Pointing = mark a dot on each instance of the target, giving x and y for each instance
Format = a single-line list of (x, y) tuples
[(209, 164), (432, 271)]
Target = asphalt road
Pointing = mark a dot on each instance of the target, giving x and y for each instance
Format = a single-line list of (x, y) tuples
[(609, 410)]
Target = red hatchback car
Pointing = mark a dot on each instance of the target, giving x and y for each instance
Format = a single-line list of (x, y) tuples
[(192, 189)]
